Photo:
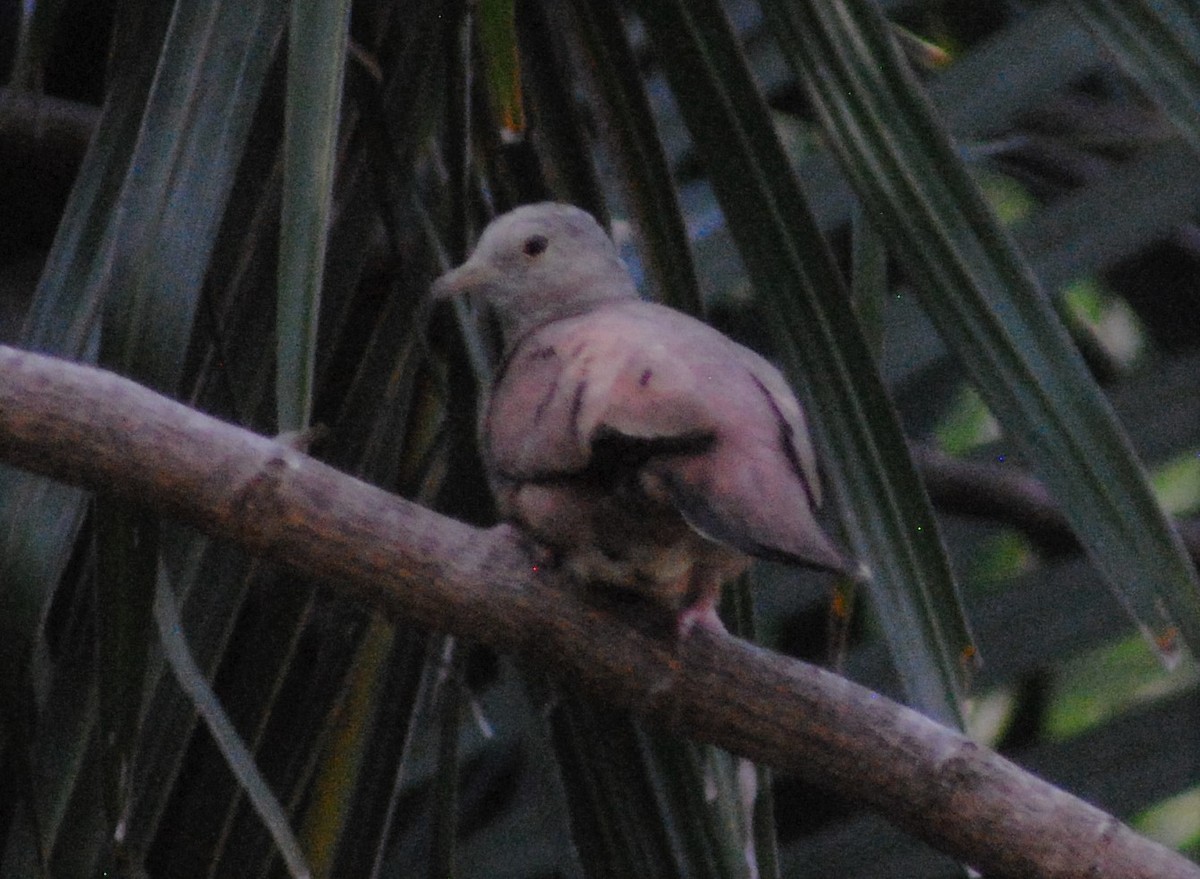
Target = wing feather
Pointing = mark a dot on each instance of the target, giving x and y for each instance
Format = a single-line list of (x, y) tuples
[(705, 420)]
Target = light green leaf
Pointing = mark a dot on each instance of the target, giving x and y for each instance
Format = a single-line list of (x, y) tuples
[(502, 62)]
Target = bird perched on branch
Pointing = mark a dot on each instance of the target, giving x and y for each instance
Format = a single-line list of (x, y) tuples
[(643, 449)]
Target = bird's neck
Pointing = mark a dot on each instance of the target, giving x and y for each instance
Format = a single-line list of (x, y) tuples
[(517, 323)]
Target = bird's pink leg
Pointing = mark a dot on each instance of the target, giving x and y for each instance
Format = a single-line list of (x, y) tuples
[(702, 613)]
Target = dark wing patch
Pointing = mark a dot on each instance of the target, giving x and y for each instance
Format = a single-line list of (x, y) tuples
[(615, 453), (787, 441)]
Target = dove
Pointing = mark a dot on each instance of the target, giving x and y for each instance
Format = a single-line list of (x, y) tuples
[(638, 447)]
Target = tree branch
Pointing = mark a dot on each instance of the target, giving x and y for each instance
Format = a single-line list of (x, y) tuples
[(40, 134), (92, 428), (1011, 496)]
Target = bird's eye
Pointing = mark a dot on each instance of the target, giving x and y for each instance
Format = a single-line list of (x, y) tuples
[(534, 245)]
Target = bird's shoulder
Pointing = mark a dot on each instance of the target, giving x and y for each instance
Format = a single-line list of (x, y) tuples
[(666, 352), (630, 328), (635, 370)]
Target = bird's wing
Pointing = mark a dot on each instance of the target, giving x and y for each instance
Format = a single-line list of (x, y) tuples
[(753, 490), (613, 373), (795, 436), (709, 424)]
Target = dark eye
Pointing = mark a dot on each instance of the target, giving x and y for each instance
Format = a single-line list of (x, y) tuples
[(534, 245)]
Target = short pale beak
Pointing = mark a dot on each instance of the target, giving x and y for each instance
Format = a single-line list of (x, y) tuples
[(453, 283), (445, 287), (464, 279)]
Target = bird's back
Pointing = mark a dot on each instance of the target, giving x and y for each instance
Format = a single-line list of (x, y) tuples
[(632, 408)]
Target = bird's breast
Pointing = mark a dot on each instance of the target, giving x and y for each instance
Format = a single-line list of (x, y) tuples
[(624, 535)]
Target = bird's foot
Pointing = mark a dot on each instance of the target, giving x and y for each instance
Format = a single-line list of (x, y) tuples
[(541, 557), (303, 440), (701, 614), (704, 614)]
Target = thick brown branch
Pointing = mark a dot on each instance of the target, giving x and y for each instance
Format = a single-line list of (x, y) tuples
[(92, 428)]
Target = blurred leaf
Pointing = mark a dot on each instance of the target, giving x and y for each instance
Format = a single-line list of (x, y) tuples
[(1158, 44), (316, 66), (451, 703), (629, 130), (1011, 201), (501, 60), (1177, 484), (884, 510), (1174, 823), (1107, 326), (986, 305), (999, 559), (1107, 681), (35, 36), (967, 423), (920, 51), (868, 276), (1125, 211), (1015, 70)]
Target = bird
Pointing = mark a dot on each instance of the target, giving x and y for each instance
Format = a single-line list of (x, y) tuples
[(634, 445)]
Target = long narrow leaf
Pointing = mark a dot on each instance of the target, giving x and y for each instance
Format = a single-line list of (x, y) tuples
[(618, 825), (316, 67), (237, 755), (986, 305), (39, 518), (137, 231), (162, 295), (327, 818), (188, 150), (126, 563), (633, 138), (502, 63)]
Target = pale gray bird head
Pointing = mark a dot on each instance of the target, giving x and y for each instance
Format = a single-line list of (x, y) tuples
[(536, 264)]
